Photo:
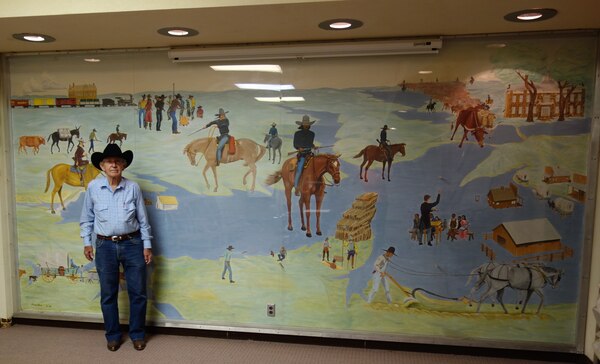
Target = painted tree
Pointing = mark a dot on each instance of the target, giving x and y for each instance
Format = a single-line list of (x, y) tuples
[(563, 99), (532, 89), (570, 62)]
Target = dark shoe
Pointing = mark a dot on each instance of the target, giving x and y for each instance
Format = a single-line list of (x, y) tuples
[(222, 277), (139, 345), (113, 345), (231, 281)]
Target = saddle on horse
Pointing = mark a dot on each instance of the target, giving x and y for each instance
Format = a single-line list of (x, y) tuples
[(294, 162)]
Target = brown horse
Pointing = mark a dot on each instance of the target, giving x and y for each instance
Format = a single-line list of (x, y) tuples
[(373, 153), (61, 174), (113, 137), (312, 182), (245, 149)]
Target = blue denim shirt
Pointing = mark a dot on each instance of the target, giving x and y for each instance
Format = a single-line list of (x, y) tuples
[(107, 212)]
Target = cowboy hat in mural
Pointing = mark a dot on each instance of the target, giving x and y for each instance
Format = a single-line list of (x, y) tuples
[(305, 121), (230, 247), (392, 250), (221, 112), (112, 150)]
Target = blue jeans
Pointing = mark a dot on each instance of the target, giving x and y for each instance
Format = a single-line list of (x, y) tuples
[(222, 142), (299, 168), (141, 113), (227, 267), (109, 256), (173, 115)]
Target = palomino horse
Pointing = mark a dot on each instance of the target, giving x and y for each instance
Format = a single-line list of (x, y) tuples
[(61, 174), (524, 278), (113, 137), (373, 153), (245, 149), (273, 142), (312, 182), (56, 137)]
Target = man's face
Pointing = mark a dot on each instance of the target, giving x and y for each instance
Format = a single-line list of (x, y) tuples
[(221, 116), (113, 166)]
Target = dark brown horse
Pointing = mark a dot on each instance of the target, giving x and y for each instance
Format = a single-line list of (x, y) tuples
[(373, 153), (113, 137), (312, 182)]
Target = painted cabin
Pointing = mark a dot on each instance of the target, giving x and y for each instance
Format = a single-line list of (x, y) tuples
[(504, 197), (527, 237)]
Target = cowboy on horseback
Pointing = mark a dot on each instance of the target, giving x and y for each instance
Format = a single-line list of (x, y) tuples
[(384, 143), (79, 163), (223, 124), (303, 143), (273, 131)]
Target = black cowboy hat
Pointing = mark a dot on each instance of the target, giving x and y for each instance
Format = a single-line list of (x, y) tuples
[(391, 249), (230, 247), (385, 127), (112, 150)]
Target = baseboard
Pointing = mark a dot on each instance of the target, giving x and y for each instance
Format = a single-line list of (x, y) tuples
[(327, 341)]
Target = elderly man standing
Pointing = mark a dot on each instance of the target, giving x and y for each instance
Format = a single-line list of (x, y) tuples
[(114, 217)]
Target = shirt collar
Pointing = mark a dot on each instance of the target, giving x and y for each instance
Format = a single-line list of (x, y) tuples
[(106, 185)]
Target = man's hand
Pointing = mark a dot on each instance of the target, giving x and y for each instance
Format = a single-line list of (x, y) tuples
[(147, 255), (88, 251)]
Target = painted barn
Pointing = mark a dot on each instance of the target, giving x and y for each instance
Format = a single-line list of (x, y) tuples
[(504, 197), (167, 203), (556, 175), (527, 236)]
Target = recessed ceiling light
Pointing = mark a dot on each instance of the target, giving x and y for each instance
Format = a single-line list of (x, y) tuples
[(340, 24), (275, 68), (91, 60), (529, 15), (177, 32), (34, 37), (425, 72)]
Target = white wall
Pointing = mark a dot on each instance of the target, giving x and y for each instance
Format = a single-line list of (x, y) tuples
[(7, 269)]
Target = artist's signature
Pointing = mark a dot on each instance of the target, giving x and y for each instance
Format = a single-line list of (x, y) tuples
[(45, 305)]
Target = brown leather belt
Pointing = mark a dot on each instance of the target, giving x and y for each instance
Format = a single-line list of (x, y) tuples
[(129, 236)]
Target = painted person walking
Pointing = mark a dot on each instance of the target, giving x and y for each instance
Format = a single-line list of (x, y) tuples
[(227, 264)]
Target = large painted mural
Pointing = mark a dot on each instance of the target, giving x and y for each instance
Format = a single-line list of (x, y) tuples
[(488, 145)]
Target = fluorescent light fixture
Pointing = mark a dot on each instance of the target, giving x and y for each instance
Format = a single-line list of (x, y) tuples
[(264, 86), (306, 50), (280, 99), (275, 68), (425, 72), (92, 60)]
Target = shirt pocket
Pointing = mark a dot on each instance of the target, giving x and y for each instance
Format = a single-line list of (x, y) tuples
[(129, 212), (102, 213)]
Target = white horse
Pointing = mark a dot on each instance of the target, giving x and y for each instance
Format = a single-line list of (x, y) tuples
[(273, 142), (523, 278)]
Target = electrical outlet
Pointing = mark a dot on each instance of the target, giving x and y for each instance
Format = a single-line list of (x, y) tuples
[(271, 309)]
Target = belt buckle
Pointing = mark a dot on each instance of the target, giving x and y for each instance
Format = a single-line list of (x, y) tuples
[(114, 238)]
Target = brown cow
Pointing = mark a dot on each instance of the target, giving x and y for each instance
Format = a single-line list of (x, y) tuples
[(33, 141), (469, 120)]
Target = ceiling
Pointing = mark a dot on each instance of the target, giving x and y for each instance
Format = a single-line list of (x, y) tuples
[(114, 25)]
